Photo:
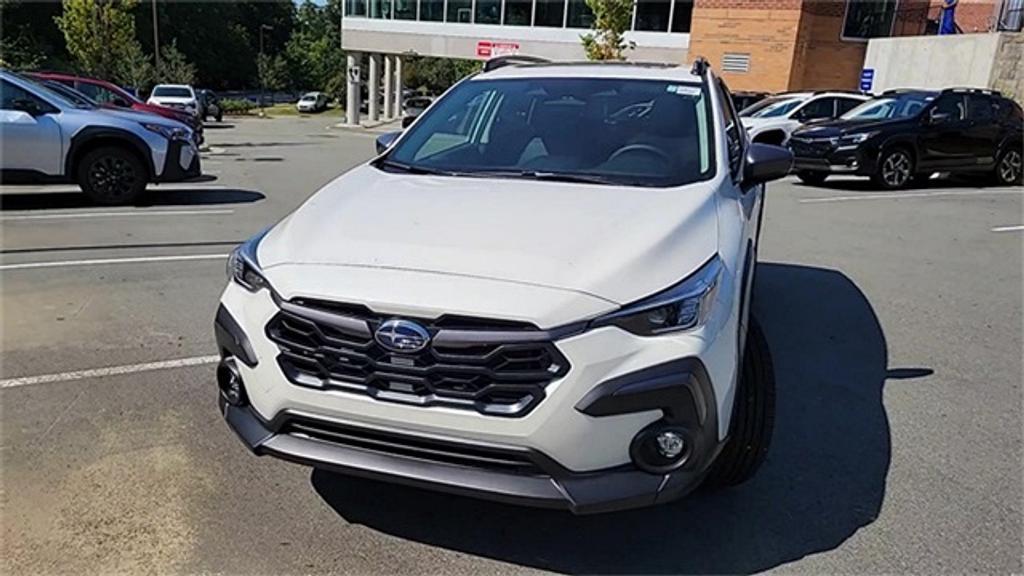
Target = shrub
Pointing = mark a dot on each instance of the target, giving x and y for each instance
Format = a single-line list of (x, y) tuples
[(237, 106)]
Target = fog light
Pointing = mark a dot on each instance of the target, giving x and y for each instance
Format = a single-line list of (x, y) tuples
[(229, 380), (661, 448), (670, 444)]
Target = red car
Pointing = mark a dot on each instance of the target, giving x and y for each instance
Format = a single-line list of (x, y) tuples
[(113, 96)]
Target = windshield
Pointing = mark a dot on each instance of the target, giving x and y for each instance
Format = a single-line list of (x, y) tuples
[(604, 131), (53, 96), (309, 97), (904, 106), (772, 107), (172, 92), (81, 100)]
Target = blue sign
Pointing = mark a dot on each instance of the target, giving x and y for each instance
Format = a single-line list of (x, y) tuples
[(867, 79)]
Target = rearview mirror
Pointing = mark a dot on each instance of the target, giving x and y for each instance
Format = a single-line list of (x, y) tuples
[(765, 163), (384, 141)]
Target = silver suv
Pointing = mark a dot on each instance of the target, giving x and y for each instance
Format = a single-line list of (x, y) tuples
[(110, 154)]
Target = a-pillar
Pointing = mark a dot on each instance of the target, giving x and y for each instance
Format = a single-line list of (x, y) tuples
[(373, 88), (398, 87), (389, 81), (353, 74)]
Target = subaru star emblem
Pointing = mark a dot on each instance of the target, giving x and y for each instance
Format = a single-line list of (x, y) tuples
[(402, 336)]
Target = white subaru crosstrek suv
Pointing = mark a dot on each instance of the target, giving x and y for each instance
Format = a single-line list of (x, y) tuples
[(774, 119), (538, 294)]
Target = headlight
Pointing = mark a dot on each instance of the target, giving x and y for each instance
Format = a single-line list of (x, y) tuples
[(855, 138), (244, 268), (169, 132), (683, 307)]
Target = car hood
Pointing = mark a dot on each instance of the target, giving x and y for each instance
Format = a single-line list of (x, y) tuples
[(171, 100), (616, 243), (839, 127), (754, 124), (144, 117)]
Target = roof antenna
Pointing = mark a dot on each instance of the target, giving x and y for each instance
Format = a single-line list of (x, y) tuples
[(700, 66)]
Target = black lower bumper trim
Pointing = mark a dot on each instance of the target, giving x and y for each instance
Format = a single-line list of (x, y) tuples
[(173, 172), (231, 339), (581, 493)]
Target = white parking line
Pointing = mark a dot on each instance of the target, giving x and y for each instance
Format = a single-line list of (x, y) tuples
[(122, 214), (1008, 229), (105, 261), (898, 195), (108, 371), (65, 188)]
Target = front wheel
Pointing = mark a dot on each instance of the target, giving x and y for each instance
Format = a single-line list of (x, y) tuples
[(753, 415), (895, 169), (1008, 168), (111, 175), (812, 178)]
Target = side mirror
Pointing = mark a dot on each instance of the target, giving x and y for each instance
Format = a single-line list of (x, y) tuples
[(407, 121), (121, 103), (384, 141), (27, 106), (765, 163)]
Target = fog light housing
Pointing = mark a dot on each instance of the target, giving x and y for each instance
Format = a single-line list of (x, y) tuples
[(229, 380), (661, 448)]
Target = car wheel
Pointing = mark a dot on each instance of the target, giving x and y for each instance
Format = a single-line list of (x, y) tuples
[(1008, 168), (111, 175), (812, 178), (895, 169), (753, 416)]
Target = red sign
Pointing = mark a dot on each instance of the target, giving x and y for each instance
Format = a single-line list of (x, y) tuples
[(488, 49)]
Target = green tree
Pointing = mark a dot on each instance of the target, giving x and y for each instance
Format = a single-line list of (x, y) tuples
[(273, 71), (612, 19), (29, 37), (98, 33), (435, 75), (135, 69), (174, 67)]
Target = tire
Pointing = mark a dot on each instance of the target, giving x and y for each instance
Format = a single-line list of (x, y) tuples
[(895, 169), (1009, 169), (111, 175), (753, 416), (812, 178)]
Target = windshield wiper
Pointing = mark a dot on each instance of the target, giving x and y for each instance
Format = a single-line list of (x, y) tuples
[(410, 169), (544, 175)]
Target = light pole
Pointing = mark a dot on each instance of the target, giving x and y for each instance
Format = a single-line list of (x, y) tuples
[(156, 40), (263, 63)]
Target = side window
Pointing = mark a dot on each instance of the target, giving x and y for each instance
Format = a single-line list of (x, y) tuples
[(980, 107), (816, 109), (844, 105), (734, 132), (952, 105), (10, 94)]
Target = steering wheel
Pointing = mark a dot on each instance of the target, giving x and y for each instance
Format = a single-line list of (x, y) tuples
[(646, 148)]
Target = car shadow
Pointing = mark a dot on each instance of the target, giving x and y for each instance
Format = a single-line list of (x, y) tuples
[(217, 125), (849, 184), (155, 196), (824, 478)]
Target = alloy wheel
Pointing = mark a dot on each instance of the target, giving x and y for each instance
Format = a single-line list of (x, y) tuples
[(1010, 167), (896, 169), (112, 177)]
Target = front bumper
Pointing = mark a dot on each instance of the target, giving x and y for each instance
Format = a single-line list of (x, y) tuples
[(816, 156), (181, 162), (579, 438)]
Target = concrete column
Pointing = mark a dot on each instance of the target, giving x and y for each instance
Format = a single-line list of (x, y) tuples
[(373, 88), (352, 100), (398, 87), (389, 79)]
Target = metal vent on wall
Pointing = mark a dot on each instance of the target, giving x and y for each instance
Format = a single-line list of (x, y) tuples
[(735, 62)]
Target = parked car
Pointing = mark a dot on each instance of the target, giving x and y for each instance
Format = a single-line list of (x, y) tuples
[(209, 105), (908, 135), (111, 95), (177, 96), (415, 105), (312, 102), (773, 120), (536, 294), (744, 100), (111, 154)]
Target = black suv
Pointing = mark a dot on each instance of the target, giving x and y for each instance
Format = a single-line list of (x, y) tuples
[(906, 135)]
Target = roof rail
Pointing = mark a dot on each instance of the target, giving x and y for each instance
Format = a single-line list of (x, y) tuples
[(512, 60), (972, 91), (700, 66)]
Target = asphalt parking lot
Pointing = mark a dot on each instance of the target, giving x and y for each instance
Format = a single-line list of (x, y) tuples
[(894, 320)]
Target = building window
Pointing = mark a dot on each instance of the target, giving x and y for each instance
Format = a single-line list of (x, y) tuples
[(580, 15), (432, 10), (869, 18), (380, 9), (1011, 16), (517, 12), (355, 8), (652, 15), (682, 16), (549, 13), (460, 11), (405, 9), (488, 12)]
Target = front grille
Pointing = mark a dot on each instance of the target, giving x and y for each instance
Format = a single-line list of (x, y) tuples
[(494, 367), (810, 148), (393, 444)]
